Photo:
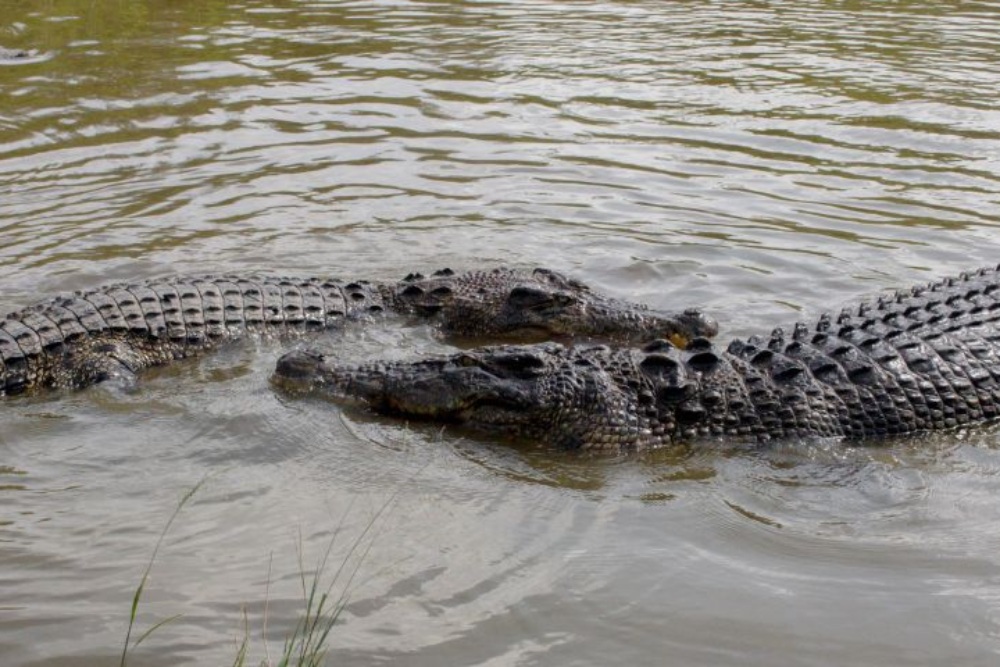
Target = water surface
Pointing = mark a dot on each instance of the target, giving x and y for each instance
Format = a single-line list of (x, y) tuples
[(765, 161)]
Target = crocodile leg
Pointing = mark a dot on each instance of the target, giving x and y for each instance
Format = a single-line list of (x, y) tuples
[(102, 361)]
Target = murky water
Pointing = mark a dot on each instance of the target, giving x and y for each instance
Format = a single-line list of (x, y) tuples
[(763, 160)]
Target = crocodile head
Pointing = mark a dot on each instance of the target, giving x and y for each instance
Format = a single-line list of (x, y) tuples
[(511, 302), (593, 398)]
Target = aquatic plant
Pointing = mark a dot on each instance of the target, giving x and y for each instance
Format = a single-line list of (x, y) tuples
[(323, 602)]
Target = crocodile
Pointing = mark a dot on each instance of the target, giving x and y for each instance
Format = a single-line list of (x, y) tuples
[(117, 330), (916, 360)]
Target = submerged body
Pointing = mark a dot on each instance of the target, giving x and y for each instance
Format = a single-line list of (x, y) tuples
[(75, 341), (924, 359)]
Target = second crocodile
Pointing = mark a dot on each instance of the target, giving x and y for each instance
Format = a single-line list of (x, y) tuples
[(117, 330)]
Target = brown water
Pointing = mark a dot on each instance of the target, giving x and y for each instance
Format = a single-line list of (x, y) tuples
[(763, 160)]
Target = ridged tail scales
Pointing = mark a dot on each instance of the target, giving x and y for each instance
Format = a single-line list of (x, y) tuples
[(868, 382), (78, 340), (949, 305), (859, 379), (921, 359)]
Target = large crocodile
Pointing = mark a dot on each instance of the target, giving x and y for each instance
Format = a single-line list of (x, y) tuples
[(117, 330), (917, 360)]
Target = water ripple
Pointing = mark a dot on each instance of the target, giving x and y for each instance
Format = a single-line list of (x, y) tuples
[(763, 160)]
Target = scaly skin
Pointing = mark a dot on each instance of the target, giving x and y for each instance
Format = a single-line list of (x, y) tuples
[(118, 330), (920, 360)]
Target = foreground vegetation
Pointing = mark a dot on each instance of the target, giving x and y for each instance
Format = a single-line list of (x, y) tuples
[(324, 594)]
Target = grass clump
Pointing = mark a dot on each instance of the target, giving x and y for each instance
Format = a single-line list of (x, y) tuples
[(323, 602)]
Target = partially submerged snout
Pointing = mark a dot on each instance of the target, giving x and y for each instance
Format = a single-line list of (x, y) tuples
[(551, 394), (445, 389), (509, 303), (586, 314)]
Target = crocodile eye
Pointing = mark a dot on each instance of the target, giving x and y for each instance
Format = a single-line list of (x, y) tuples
[(466, 360), (563, 299), (523, 296), (519, 364)]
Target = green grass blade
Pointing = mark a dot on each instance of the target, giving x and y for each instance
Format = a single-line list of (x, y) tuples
[(149, 567), (150, 631)]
